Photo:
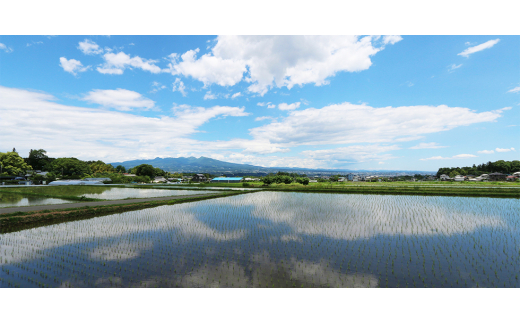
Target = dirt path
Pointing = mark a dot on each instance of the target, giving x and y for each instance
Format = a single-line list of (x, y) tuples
[(101, 203)]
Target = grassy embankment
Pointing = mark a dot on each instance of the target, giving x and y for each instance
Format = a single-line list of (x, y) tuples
[(10, 222), (469, 189)]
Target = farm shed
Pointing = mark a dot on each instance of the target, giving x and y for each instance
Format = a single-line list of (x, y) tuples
[(227, 180)]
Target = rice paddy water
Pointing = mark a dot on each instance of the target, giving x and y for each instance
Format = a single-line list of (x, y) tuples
[(96, 192), (277, 239)]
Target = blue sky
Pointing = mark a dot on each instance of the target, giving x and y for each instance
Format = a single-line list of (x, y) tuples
[(349, 102)]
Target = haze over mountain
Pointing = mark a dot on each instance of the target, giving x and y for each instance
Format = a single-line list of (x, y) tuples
[(213, 166)]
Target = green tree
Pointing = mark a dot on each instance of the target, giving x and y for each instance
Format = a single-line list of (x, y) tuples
[(12, 164), (144, 170), (159, 172), (100, 167), (70, 167), (37, 159), (120, 169)]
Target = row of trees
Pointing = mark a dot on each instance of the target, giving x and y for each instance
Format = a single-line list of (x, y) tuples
[(500, 166), (286, 178)]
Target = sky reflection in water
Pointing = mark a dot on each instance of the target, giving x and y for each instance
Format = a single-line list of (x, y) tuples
[(277, 239)]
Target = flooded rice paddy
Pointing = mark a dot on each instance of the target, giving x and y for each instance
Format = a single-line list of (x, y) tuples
[(115, 193), (277, 239), (15, 200), (96, 192)]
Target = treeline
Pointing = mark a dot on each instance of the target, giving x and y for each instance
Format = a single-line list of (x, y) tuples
[(286, 178), (72, 168), (500, 166)]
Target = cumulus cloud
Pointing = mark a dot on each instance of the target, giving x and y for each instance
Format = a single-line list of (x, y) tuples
[(485, 152), (478, 48), (460, 156), (5, 48), (178, 85), (236, 95), (391, 39), (515, 90), (117, 63), (30, 118), (88, 47), (208, 69), (504, 150), (292, 106), (277, 61), (427, 145), (120, 99), (72, 66)]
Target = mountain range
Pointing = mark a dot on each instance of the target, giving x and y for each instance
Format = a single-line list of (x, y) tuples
[(214, 166)]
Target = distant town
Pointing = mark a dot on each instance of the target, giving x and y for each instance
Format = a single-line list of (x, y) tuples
[(38, 168)]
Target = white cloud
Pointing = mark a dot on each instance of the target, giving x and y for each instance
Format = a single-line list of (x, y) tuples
[(236, 95), (72, 66), (88, 47), (34, 43), (515, 90), (120, 99), (485, 152), (271, 106), (292, 106), (391, 39), (178, 85), (504, 150), (32, 118), (351, 154), (117, 63), (210, 96), (277, 61), (5, 48), (429, 145), (265, 118), (460, 156), (348, 123), (207, 69), (156, 87), (478, 48), (261, 104), (453, 67)]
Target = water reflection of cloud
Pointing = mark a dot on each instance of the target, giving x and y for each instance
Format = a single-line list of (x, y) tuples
[(265, 272), (120, 250), (354, 216)]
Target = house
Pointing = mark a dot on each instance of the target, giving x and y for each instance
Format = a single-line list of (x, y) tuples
[(159, 179), (497, 177), (199, 178), (444, 177), (350, 176), (313, 181), (459, 178), (227, 180)]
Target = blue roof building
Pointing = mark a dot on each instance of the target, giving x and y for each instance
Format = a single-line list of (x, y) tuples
[(227, 180)]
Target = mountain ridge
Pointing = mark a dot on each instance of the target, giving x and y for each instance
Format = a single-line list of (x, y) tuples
[(209, 165)]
